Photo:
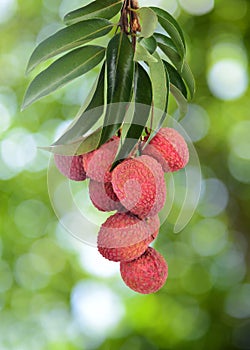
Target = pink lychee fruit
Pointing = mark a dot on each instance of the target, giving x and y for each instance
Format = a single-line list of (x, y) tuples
[(103, 196), (70, 166), (98, 162), (146, 274), (169, 148), (140, 186), (124, 237)]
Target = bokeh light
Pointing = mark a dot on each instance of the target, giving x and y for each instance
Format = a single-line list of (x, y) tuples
[(237, 303), (7, 9), (209, 237), (197, 7), (239, 168), (38, 217), (239, 139), (228, 79), (96, 308), (214, 197), (196, 122)]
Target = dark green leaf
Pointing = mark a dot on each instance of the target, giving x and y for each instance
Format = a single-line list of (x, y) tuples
[(175, 78), (149, 43), (172, 28), (188, 77), (62, 71), (102, 9), (142, 107), (148, 21), (82, 145), (89, 116), (120, 71), (167, 46), (69, 38)]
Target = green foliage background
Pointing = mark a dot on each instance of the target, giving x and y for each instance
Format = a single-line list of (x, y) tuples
[(206, 300)]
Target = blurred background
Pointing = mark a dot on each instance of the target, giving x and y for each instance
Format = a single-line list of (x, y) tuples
[(58, 293)]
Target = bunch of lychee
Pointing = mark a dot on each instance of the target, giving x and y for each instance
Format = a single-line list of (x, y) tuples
[(136, 190)]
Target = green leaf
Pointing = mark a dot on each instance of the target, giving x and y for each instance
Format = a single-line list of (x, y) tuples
[(62, 71), (89, 115), (120, 71), (169, 49), (188, 77), (148, 21), (159, 83), (149, 43), (180, 99), (172, 28), (142, 54), (175, 78), (83, 145), (142, 107), (102, 9), (69, 38)]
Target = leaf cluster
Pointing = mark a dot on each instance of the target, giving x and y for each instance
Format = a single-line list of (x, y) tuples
[(134, 79)]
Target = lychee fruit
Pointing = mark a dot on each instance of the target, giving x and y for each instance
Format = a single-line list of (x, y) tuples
[(70, 166), (103, 196), (169, 148), (140, 186), (146, 274), (124, 237), (98, 162)]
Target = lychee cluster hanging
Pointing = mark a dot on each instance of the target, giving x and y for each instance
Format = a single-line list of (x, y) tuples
[(139, 67), (136, 190)]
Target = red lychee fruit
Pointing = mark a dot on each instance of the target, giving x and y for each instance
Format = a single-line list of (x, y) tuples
[(169, 148), (146, 274), (70, 166), (124, 237), (140, 186), (103, 196), (98, 162)]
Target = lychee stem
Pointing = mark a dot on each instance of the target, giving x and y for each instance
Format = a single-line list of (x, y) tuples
[(131, 26)]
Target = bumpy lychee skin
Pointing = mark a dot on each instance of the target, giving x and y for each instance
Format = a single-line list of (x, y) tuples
[(139, 184), (103, 196), (146, 274), (169, 148), (70, 166), (98, 162), (124, 237)]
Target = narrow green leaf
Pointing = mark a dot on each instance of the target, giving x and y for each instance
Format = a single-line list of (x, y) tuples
[(159, 83), (172, 28), (180, 99), (169, 49), (175, 78), (120, 71), (69, 38), (149, 43), (188, 77), (100, 8), (89, 116), (148, 21), (142, 107), (82, 145), (62, 71), (142, 54)]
